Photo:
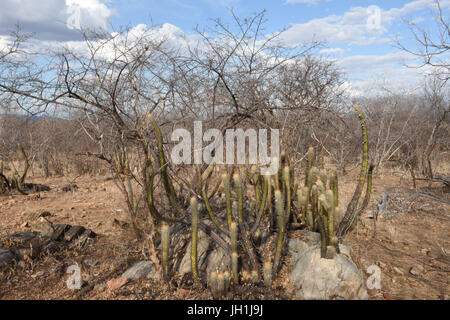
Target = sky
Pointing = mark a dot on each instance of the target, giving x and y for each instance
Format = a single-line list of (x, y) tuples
[(357, 34)]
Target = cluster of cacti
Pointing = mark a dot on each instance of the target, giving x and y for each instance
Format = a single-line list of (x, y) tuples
[(252, 203), (318, 200), (318, 203), (16, 181)]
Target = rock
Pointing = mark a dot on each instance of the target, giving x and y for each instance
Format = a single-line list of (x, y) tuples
[(6, 257), (140, 270), (70, 187), (323, 279), (21, 238), (416, 271), (91, 263), (312, 236), (397, 271), (25, 225), (50, 247), (45, 227), (202, 251), (44, 214), (344, 250), (73, 232), (116, 283), (388, 296), (218, 260), (37, 274), (59, 231), (30, 251), (296, 245)]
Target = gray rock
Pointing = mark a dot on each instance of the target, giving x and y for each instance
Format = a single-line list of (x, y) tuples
[(73, 232), (315, 278), (344, 250), (416, 271), (312, 236), (140, 270), (91, 263), (218, 260), (6, 257), (59, 231), (202, 252), (296, 245)]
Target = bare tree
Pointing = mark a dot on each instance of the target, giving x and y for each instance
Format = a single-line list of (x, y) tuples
[(432, 45)]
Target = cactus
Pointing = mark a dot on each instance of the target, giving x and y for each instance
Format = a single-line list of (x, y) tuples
[(352, 213), (255, 276), (234, 254), (316, 206), (267, 273), (226, 185), (165, 232), (281, 228), (170, 191), (237, 183), (194, 241)]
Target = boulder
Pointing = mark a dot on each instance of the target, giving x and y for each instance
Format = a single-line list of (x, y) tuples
[(316, 278), (6, 258), (202, 252), (218, 260), (142, 269), (73, 232)]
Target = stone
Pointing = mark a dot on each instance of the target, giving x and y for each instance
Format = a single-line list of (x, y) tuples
[(73, 232), (388, 296), (416, 271), (59, 231), (29, 251), (91, 263), (312, 236), (45, 227), (37, 274), (344, 250), (50, 247), (21, 238), (315, 278), (202, 252), (25, 225), (142, 269), (296, 245), (7, 257), (218, 260), (397, 271), (116, 283)]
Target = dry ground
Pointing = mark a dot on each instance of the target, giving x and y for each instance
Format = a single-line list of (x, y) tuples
[(417, 236)]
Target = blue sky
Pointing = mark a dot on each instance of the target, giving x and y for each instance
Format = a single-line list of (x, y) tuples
[(358, 34)]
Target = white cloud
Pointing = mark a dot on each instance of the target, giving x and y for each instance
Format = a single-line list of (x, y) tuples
[(371, 73), (358, 26), (333, 51), (48, 19)]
